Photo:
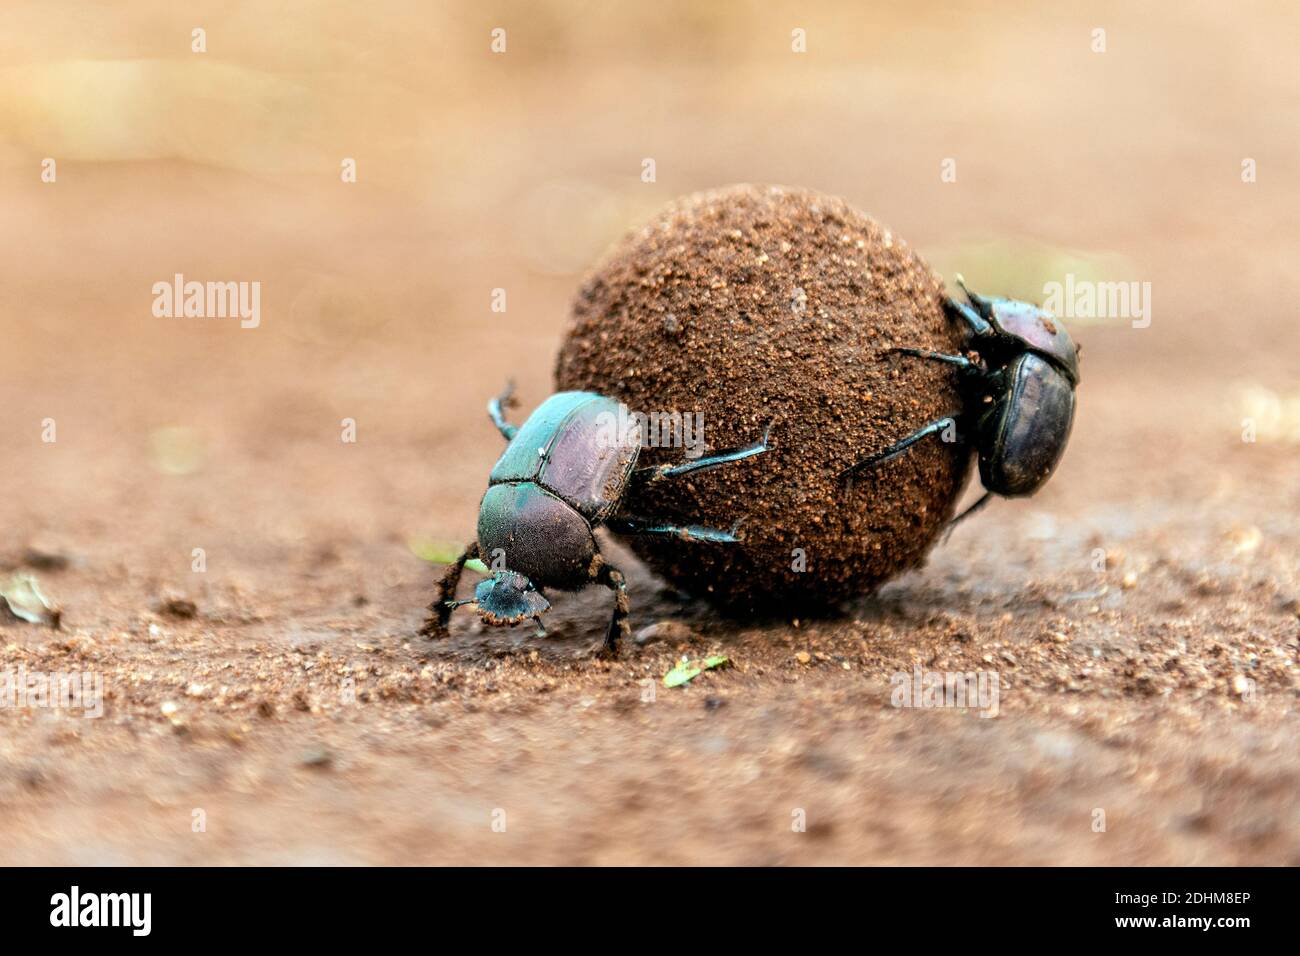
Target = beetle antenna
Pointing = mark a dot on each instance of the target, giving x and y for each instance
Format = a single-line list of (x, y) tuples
[(452, 605)]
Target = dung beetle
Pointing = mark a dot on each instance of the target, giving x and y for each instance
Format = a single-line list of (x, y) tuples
[(1017, 398), (564, 473)]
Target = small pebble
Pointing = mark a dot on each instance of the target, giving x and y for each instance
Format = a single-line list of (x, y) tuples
[(176, 606), (317, 757), (672, 632)]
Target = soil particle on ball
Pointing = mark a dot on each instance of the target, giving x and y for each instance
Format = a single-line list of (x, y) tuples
[(755, 304)]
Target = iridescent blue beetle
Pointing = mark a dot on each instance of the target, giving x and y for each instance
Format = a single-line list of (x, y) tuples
[(564, 473), (1018, 398)]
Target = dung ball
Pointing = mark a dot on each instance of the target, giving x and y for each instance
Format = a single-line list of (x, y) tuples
[(755, 305)]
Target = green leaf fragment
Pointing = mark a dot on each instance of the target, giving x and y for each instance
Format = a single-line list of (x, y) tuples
[(437, 551), (683, 672), (687, 669)]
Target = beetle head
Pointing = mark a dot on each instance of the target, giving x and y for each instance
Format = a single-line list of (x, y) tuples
[(508, 597)]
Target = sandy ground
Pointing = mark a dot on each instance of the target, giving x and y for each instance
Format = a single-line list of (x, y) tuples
[(1142, 613)]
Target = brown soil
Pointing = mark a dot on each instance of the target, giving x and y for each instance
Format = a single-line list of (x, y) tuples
[(754, 306), (1141, 612)]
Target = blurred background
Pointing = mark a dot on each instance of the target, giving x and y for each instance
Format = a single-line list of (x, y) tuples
[(478, 171)]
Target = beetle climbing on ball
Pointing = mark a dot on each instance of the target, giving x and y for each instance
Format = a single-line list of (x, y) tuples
[(560, 477), (1018, 398)]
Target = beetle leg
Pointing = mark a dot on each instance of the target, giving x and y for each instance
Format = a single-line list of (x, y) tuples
[(440, 610), (619, 628), (703, 464), (692, 532), (975, 315), (896, 449), (961, 361), (984, 499), (981, 304), (960, 310), (494, 407)]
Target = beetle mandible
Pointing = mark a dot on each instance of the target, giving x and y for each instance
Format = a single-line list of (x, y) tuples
[(561, 476), (1017, 399)]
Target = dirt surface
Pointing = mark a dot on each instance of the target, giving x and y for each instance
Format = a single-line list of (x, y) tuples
[(755, 310), (1142, 614)]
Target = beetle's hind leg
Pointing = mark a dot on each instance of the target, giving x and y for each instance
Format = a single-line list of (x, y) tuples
[(440, 610), (687, 532), (710, 461), (620, 628), (941, 426), (984, 499), (963, 363), (495, 407)]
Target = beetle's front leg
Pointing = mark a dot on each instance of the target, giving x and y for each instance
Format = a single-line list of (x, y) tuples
[(440, 610), (619, 626), (976, 315), (978, 325)]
